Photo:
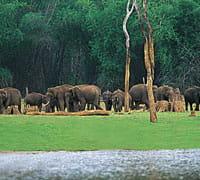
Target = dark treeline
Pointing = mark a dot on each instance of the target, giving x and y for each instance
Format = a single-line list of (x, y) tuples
[(52, 42)]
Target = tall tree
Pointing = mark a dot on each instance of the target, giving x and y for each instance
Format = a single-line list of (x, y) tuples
[(129, 11), (148, 59)]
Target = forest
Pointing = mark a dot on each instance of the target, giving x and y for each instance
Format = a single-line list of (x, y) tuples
[(44, 43)]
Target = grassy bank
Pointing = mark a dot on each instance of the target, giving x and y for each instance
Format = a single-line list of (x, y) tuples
[(32, 133)]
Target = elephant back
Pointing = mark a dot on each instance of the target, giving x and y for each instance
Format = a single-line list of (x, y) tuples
[(89, 91), (58, 90), (138, 92), (192, 94), (33, 98)]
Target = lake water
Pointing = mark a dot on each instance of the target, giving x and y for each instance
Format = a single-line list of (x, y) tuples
[(101, 165)]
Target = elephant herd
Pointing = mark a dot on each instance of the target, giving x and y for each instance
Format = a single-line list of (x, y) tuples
[(76, 98), (138, 95)]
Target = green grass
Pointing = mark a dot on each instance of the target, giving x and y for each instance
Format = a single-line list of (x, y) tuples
[(47, 133)]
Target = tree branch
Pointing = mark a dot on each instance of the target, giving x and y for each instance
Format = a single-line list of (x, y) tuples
[(128, 13), (140, 20)]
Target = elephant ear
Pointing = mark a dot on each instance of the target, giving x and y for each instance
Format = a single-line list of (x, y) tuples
[(4, 94), (69, 92), (52, 91), (76, 92)]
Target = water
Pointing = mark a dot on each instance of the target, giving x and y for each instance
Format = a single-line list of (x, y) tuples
[(101, 165)]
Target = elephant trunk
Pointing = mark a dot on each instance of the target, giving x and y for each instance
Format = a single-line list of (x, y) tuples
[(46, 104)]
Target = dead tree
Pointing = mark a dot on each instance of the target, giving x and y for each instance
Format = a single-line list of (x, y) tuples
[(128, 57), (148, 58)]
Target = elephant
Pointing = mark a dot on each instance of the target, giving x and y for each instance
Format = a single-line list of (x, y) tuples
[(107, 99), (165, 92), (36, 99), (118, 100), (84, 94), (139, 95), (118, 97), (192, 95), (9, 96), (57, 96), (169, 94)]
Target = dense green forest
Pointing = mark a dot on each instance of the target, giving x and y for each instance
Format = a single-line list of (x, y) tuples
[(44, 43)]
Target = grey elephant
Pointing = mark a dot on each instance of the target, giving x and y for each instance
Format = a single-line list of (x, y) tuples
[(107, 99), (81, 95), (8, 97), (165, 92), (169, 94), (192, 95), (57, 96), (140, 96), (118, 97), (36, 99)]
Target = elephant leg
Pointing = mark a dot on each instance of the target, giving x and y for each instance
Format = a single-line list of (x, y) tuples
[(109, 106), (83, 105), (61, 105), (92, 107), (6, 104), (147, 105), (19, 108), (120, 106), (106, 105), (131, 105), (191, 107), (2, 109), (197, 106), (97, 106), (115, 108), (52, 109), (137, 105), (88, 107), (186, 105), (72, 106), (40, 107), (76, 106)]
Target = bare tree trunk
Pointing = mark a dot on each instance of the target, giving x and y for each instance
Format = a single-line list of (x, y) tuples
[(127, 77), (26, 89), (149, 60), (128, 58), (152, 107)]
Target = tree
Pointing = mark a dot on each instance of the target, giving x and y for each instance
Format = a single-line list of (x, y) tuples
[(148, 59), (128, 58)]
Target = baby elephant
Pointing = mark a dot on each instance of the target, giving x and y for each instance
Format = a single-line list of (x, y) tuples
[(36, 99), (118, 97)]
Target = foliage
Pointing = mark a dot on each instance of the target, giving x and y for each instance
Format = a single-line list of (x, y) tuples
[(177, 41), (46, 43), (31, 133), (5, 77), (9, 32)]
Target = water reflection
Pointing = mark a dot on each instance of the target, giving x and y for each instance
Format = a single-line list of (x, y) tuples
[(102, 165)]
